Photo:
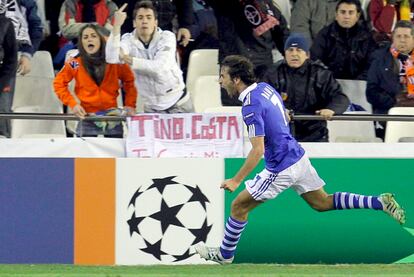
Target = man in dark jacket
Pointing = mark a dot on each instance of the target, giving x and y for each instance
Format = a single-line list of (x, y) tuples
[(306, 87), (345, 46), (249, 28), (8, 65), (390, 77)]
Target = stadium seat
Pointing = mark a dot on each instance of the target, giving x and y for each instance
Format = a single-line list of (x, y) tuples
[(22, 128), (206, 93), (399, 130), (201, 62), (41, 65), (352, 131), (355, 90), (36, 91), (35, 94)]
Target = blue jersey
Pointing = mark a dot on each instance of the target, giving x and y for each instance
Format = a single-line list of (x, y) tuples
[(264, 115)]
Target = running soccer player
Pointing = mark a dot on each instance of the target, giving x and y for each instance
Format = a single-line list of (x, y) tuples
[(286, 163)]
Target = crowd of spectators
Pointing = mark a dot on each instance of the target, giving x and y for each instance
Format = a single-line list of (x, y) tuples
[(319, 41)]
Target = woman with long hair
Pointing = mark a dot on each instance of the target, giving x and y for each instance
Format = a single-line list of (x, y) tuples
[(97, 84)]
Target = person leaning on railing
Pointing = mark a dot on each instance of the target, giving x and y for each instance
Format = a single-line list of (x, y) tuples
[(390, 77), (96, 84)]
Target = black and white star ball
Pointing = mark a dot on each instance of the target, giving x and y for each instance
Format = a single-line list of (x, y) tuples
[(167, 218)]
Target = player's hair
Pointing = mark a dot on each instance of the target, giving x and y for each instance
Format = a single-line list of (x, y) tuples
[(240, 67), (144, 5), (357, 4), (404, 24)]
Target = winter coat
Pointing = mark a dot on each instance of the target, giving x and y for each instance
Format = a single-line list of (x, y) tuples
[(94, 98), (345, 51), (305, 90), (8, 65), (236, 35), (70, 17), (157, 73), (32, 21), (383, 83)]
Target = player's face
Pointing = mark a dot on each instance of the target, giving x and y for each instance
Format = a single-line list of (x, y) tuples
[(145, 22), (91, 41), (226, 82), (403, 40), (347, 15), (295, 57)]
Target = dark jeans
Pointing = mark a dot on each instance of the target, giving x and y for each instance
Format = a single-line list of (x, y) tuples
[(6, 102)]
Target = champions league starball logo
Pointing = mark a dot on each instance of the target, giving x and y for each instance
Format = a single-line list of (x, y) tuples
[(167, 218)]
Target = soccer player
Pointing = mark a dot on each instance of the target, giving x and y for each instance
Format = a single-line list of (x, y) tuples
[(286, 163)]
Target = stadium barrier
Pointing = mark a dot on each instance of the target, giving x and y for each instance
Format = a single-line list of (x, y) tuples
[(123, 211)]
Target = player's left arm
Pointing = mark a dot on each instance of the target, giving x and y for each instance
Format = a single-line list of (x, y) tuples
[(253, 158)]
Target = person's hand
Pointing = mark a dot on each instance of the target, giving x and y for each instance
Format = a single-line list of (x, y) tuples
[(288, 115), (124, 57), (230, 185), (183, 36), (23, 66), (326, 113), (79, 111), (120, 16), (130, 111)]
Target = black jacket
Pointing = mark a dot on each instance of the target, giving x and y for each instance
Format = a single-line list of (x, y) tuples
[(346, 52), (383, 83), (305, 90), (236, 35), (9, 46)]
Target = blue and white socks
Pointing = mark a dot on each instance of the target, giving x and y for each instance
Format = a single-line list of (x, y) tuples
[(346, 200), (232, 233)]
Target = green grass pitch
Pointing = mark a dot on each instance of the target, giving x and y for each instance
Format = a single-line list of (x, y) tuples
[(249, 270)]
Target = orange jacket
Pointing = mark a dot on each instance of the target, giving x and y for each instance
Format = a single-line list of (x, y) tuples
[(92, 97)]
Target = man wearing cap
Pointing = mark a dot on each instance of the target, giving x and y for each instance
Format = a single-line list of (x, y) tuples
[(306, 87)]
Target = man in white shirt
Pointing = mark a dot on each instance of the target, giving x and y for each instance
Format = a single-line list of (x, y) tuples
[(151, 52)]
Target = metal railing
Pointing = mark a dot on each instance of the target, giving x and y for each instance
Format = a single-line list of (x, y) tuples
[(343, 117)]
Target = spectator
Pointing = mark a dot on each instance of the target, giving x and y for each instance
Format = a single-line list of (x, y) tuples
[(51, 42), (74, 14), (390, 76), (166, 11), (203, 31), (385, 14), (96, 84), (28, 30), (306, 87), (152, 54), (345, 46), (8, 64), (28, 34), (310, 16), (252, 37)]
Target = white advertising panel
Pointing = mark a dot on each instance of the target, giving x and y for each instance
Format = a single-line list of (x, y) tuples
[(185, 135), (164, 206)]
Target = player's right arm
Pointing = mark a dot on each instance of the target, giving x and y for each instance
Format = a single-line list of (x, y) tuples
[(253, 158)]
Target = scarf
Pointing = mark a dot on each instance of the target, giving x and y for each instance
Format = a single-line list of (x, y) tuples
[(260, 20), (407, 66)]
